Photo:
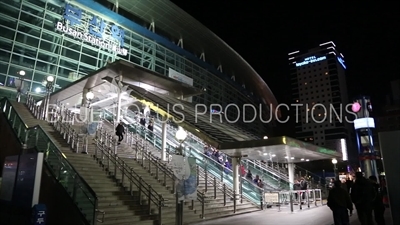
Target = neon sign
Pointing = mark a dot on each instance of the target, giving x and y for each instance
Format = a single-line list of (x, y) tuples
[(341, 61), (309, 60), (91, 29)]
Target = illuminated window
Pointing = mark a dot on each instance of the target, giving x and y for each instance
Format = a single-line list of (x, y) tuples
[(326, 73)]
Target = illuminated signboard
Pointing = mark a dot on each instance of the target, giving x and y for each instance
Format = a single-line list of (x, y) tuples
[(367, 122), (341, 61), (91, 29), (309, 60)]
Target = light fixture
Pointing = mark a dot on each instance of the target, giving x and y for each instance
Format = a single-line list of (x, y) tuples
[(22, 73), (265, 137), (38, 90), (291, 157), (334, 161), (286, 157), (50, 78), (89, 95), (265, 154), (181, 135), (307, 160), (302, 159), (273, 155)]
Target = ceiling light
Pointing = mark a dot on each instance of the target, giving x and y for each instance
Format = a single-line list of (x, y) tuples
[(265, 154), (291, 157), (286, 157), (273, 155), (67, 103), (302, 159), (307, 160)]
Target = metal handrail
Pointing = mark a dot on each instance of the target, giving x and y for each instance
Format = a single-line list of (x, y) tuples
[(134, 178), (37, 129), (252, 185)]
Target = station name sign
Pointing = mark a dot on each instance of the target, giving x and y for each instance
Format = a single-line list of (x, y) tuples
[(91, 29), (310, 60)]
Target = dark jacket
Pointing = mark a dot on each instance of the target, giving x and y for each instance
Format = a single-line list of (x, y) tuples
[(363, 193), (339, 198), (378, 201), (119, 129)]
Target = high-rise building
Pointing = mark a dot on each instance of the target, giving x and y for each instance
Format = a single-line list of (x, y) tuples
[(395, 86), (319, 87)]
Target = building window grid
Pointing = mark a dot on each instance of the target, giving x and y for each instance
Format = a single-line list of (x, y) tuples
[(159, 57)]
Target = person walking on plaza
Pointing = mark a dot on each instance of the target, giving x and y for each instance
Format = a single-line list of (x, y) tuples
[(377, 205), (363, 195), (339, 202), (120, 131)]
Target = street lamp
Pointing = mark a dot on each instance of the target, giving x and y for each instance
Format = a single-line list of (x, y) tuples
[(89, 98), (49, 87), (265, 137), (180, 136), (19, 84), (334, 162)]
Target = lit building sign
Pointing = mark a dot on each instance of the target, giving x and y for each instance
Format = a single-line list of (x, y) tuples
[(367, 122), (91, 29), (309, 60), (341, 61)]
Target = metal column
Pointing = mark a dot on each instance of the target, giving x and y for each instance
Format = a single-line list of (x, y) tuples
[(291, 174), (164, 139), (118, 119), (236, 178)]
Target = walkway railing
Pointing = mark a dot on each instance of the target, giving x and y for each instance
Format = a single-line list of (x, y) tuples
[(80, 192), (114, 165), (251, 191), (274, 178)]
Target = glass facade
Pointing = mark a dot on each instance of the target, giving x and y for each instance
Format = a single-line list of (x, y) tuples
[(30, 41)]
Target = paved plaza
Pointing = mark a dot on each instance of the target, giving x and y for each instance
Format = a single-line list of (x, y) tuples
[(314, 216)]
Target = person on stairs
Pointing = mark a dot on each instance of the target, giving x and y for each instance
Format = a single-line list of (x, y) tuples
[(120, 131)]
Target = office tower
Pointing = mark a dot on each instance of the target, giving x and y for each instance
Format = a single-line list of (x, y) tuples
[(395, 86), (319, 85)]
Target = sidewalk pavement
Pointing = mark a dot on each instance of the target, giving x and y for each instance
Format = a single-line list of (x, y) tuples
[(314, 216)]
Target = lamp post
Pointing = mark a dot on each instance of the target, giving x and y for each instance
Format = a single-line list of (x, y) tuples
[(20, 85), (89, 98), (49, 87), (180, 136), (334, 162)]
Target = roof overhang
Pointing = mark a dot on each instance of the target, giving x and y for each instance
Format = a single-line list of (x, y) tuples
[(131, 75), (278, 149)]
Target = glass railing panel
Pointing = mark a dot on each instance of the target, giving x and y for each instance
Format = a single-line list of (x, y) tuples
[(196, 150), (35, 137)]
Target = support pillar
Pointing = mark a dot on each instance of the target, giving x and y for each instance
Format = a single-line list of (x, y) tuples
[(236, 177), (291, 175), (164, 139), (119, 101)]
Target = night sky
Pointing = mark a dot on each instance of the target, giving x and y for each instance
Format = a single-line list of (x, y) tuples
[(368, 35)]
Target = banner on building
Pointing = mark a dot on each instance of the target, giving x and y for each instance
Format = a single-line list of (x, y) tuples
[(185, 171), (182, 78)]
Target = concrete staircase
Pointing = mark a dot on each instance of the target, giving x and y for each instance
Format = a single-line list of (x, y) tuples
[(119, 206), (214, 207)]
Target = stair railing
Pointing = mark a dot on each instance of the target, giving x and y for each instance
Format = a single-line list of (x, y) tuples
[(219, 171), (75, 186), (115, 165)]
